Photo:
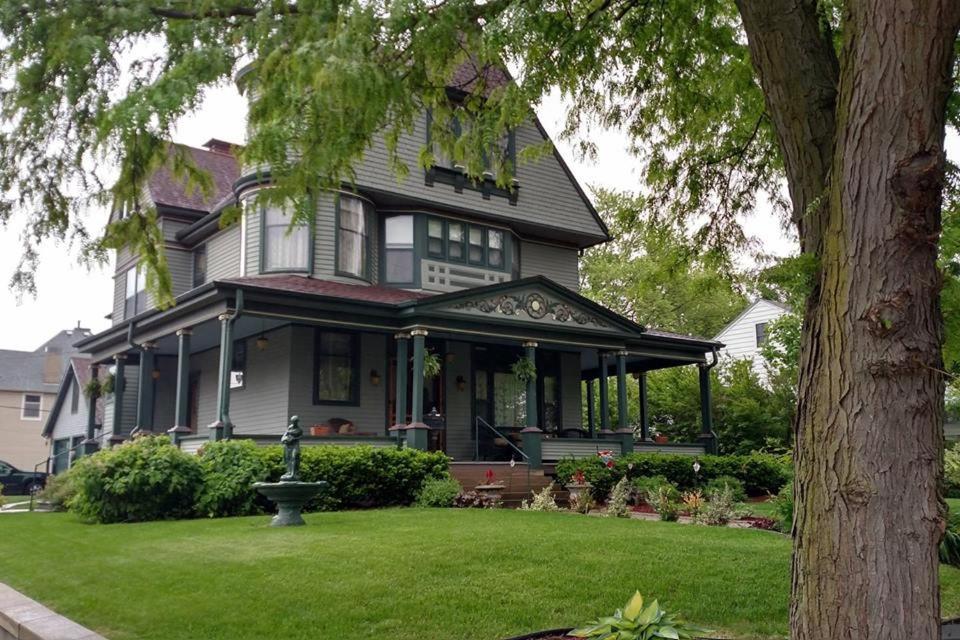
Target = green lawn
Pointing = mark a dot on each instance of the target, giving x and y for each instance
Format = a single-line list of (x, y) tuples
[(402, 574)]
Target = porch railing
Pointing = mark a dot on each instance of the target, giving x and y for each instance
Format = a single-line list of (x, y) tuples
[(480, 422)]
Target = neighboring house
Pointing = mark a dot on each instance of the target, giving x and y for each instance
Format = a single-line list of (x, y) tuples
[(334, 322), (28, 386), (66, 425), (744, 336)]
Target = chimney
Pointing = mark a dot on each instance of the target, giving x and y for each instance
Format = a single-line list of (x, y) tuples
[(218, 146), (52, 366)]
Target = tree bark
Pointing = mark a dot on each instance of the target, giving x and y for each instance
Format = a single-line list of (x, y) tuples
[(869, 422)]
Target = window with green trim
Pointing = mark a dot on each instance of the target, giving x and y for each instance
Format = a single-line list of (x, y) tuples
[(353, 237), (336, 368), (456, 241), (477, 245), (285, 248)]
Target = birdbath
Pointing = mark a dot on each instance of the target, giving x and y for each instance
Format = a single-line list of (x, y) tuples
[(290, 494)]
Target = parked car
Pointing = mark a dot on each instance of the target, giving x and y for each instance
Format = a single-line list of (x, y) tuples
[(20, 483)]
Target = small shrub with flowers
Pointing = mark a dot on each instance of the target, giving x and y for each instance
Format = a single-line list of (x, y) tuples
[(541, 501), (618, 504), (693, 502), (475, 500), (582, 503)]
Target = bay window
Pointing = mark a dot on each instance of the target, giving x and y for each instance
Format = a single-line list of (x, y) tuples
[(353, 237), (284, 248), (398, 249)]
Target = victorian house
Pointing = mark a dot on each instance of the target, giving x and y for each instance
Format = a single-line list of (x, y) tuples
[(398, 318)]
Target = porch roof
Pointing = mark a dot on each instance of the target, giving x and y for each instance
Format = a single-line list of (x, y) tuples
[(533, 308)]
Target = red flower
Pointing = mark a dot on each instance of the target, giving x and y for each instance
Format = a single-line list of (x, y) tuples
[(489, 476)]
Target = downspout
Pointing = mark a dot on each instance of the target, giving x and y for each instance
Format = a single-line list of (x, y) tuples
[(225, 407), (707, 435)]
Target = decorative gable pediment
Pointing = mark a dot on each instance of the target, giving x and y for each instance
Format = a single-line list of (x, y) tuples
[(534, 302)]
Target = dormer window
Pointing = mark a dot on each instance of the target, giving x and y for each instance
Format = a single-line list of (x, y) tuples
[(353, 237), (284, 249)]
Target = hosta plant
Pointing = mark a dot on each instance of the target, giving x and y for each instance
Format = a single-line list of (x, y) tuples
[(638, 622)]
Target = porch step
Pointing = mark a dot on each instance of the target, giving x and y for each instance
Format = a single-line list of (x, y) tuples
[(517, 483)]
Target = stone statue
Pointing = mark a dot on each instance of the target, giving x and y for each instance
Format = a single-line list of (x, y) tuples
[(291, 450)]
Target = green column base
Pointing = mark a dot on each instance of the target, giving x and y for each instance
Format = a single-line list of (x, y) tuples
[(176, 433), (217, 430), (626, 440), (533, 446), (709, 442), (418, 436)]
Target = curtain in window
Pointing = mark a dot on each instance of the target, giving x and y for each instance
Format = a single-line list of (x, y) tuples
[(335, 372), (398, 249), (352, 237), (283, 250)]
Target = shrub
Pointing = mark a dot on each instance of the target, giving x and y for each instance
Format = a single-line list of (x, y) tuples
[(951, 471), (541, 501), (59, 490), (720, 508), (230, 468), (582, 503), (666, 505), (734, 484), (475, 500), (648, 488), (145, 479), (693, 502), (3, 500), (438, 492), (638, 622), (760, 473), (783, 509), (617, 505)]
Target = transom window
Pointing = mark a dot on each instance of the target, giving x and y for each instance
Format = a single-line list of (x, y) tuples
[(31, 407), (353, 237), (336, 374), (136, 296), (398, 249), (284, 249)]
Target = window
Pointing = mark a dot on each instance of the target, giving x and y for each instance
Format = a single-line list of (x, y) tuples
[(284, 249), (435, 238), (136, 298), (199, 265), (75, 451), (495, 248), (476, 245), (74, 397), (455, 241), (761, 329), (336, 372), (31, 406), (61, 455), (398, 250), (352, 237)]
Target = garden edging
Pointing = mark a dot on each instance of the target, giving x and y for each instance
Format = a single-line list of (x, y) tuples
[(22, 618)]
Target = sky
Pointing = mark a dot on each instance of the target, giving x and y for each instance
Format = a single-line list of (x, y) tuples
[(69, 293)]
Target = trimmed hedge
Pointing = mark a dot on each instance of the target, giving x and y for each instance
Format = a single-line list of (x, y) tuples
[(760, 473), (150, 479)]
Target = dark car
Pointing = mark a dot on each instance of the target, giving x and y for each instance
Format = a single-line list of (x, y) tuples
[(20, 483)]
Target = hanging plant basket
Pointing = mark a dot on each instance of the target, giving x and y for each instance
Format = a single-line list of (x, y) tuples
[(431, 365), (92, 388), (524, 370), (108, 384)]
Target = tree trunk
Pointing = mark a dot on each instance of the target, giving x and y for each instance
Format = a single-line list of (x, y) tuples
[(869, 421)]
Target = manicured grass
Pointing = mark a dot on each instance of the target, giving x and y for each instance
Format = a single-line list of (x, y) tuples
[(402, 574), (12, 499), (761, 509)]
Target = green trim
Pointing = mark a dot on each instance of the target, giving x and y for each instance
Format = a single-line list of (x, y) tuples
[(355, 360)]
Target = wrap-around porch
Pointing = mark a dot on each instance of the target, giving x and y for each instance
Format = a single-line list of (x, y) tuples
[(433, 373)]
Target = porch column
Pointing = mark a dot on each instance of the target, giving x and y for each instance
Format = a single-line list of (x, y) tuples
[(623, 415), (644, 415), (591, 409), (145, 388), (119, 384), (89, 444), (417, 431), (530, 353), (604, 395), (182, 418), (222, 428), (400, 401), (707, 438)]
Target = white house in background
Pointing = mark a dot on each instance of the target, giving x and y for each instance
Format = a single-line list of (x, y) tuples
[(744, 336)]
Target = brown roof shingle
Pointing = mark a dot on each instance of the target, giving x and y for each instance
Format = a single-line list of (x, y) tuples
[(329, 288), (168, 190)]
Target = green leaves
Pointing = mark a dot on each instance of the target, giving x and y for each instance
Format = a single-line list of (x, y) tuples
[(636, 622)]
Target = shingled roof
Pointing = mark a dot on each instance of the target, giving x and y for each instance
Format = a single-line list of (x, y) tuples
[(329, 288), (216, 160)]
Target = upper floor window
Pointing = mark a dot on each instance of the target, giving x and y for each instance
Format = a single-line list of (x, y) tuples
[(136, 295), (761, 330), (398, 249), (30, 410), (353, 237), (74, 397), (284, 248), (199, 265)]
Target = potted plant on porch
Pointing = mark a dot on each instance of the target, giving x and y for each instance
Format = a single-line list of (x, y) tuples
[(491, 488)]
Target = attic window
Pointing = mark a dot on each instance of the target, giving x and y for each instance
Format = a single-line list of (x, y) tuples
[(761, 331), (30, 410)]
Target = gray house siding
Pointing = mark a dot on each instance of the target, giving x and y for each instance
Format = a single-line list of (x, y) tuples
[(370, 415), (570, 399), (252, 257), (560, 264), (68, 424), (223, 254), (460, 444), (547, 196), (165, 394), (261, 405), (129, 417)]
